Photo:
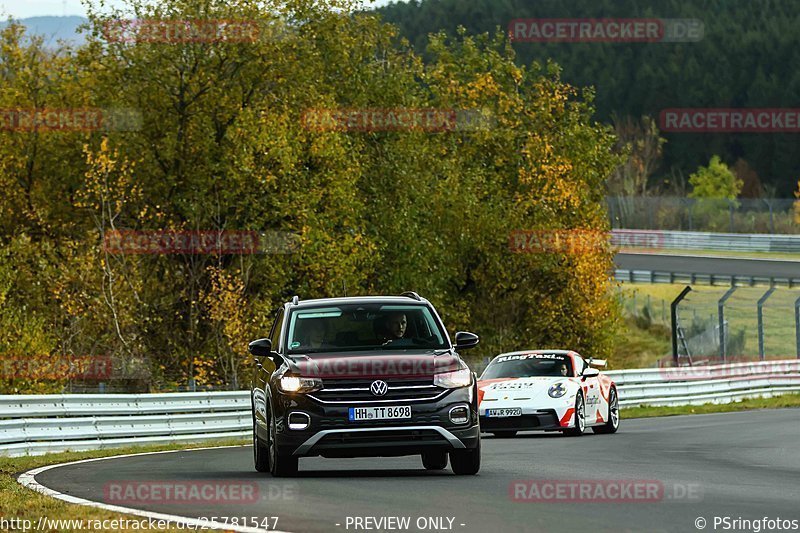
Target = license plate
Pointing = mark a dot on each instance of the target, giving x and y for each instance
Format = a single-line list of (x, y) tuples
[(379, 413), (500, 413)]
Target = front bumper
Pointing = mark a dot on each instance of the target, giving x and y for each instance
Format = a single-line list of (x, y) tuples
[(332, 434), (542, 419)]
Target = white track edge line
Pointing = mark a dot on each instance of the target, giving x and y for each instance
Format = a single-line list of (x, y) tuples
[(28, 480)]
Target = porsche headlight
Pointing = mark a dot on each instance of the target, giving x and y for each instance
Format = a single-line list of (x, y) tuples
[(298, 384), (453, 380), (557, 390)]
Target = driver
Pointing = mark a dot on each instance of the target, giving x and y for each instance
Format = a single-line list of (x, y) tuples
[(315, 334), (564, 370), (395, 326)]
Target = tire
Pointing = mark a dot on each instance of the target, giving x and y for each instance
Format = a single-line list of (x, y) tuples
[(466, 462), (504, 434), (612, 420), (434, 460), (260, 452), (580, 418), (281, 465)]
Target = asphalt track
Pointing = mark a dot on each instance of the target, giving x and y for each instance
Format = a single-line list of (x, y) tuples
[(726, 266), (740, 465)]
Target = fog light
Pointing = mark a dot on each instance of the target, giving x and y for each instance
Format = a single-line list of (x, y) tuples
[(459, 414), (299, 421)]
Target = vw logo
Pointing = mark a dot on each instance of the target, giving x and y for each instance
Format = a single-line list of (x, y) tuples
[(378, 387)]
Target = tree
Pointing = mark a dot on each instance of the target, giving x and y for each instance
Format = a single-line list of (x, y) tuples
[(715, 181), (223, 146)]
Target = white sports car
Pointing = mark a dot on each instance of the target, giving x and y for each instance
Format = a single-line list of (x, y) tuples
[(546, 390)]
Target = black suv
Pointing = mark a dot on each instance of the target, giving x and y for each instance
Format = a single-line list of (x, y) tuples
[(372, 376)]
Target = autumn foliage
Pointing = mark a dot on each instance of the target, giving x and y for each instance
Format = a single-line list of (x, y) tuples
[(222, 146)]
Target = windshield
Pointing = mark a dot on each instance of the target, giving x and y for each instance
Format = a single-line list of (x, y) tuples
[(528, 365), (364, 327)]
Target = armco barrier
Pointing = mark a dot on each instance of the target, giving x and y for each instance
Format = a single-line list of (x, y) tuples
[(51, 423), (697, 240), (652, 276), (33, 424), (697, 385)]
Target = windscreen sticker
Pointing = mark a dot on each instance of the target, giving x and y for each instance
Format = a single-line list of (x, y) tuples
[(504, 358)]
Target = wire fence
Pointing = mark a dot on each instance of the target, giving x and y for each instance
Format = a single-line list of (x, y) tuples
[(747, 215), (726, 323)]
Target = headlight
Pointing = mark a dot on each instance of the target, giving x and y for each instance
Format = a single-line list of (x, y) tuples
[(298, 384), (557, 390), (453, 380)]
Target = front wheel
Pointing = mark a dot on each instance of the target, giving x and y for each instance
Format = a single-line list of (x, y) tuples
[(260, 452), (466, 462), (580, 418), (612, 422), (434, 460), (281, 465)]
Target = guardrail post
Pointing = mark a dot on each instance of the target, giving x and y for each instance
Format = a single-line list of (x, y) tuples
[(797, 324), (723, 349), (674, 318), (761, 322)]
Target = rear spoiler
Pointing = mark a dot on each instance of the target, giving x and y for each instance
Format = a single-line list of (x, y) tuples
[(597, 362)]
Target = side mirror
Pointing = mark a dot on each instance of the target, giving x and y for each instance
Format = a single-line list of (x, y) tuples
[(260, 348), (466, 340), (591, 373)]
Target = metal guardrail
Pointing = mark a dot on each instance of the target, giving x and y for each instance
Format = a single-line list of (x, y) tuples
[(31, 425), (697, 385), (698, 240), (35, 424), (654, 276)]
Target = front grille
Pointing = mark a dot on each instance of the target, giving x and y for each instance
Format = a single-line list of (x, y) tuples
[(357, 390)]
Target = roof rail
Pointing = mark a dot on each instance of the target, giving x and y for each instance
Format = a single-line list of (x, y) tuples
[(295, 299), (412, 294)]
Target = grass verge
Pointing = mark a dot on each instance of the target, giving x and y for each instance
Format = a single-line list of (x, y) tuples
[(777, 402), (24, 504), (639, 348)]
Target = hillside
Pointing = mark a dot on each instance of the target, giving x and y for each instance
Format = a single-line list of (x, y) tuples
[(746, 59)]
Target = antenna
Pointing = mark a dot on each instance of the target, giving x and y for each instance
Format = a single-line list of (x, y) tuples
[(344, 287)]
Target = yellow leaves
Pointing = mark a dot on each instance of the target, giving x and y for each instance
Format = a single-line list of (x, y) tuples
[(226, 304), (109, 183), (797, 204)]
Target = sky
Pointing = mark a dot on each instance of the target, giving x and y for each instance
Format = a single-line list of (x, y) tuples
[(37, 8)]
